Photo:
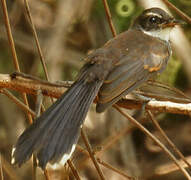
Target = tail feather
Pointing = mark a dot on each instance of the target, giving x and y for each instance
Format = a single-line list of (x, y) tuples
[(66, 129), (54, 133), (81, 112)]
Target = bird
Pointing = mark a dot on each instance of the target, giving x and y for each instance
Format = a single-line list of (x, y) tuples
[(110, 72)]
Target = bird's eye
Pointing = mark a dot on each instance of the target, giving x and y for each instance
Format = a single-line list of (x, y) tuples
[(154, 20)]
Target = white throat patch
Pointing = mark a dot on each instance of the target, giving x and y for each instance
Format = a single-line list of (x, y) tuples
[(163, 34)]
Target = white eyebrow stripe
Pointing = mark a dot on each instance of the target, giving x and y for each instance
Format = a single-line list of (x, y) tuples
[(154, 14)]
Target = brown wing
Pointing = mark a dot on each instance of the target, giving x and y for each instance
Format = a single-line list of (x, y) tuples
[(119, 83), (131, 71)]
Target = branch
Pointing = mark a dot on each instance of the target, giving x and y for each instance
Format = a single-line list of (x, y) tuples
[(159, 106), (30, 85)]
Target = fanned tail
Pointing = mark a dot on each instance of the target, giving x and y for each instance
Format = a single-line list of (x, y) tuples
[(54, 134)]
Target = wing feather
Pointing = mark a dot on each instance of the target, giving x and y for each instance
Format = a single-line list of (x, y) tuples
[(121, 83)]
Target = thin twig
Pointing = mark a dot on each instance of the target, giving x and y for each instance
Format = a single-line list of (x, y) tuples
[(114, 169), (142, 128), (18, 102), (9, 35), (170, 167), (46, 175), (154, 121), (34, 167), (178, 11), (13, 50), (74, 171), (88, 146), (111, 140), (9, 170), (108, 14), (27, 109), (1, 168), (36, 40), (42, 59)]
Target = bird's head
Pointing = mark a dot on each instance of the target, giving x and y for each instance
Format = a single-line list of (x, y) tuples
[(155, 22)]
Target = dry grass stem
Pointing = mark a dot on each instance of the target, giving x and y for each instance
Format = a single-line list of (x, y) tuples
[(36, 40), (13, 50), (171, 167), (115, 137), (89, 149), (156, 124), (142, 128), (109, 19), (115, 169), (178, 11), (18, 102), (46, 174), (34, 167), (1, 168), (9, 170), (43, 62), (73, 169)]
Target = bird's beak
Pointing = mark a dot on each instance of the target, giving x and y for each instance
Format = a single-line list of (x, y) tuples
[(173, 23)]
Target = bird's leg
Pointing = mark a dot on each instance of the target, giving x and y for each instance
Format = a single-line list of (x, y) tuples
[(38, 103), (144, 100)]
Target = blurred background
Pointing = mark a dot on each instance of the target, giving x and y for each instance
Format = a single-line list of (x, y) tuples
[(67, 31)]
